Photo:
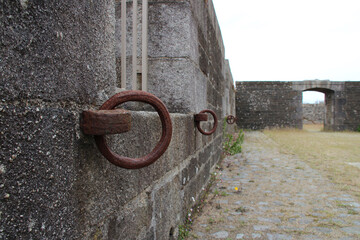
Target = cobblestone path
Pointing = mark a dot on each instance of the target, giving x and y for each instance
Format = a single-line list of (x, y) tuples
[(266, 193)]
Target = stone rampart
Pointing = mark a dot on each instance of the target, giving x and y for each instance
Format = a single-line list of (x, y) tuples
[(279, 104), (267, 104), (60, 58)]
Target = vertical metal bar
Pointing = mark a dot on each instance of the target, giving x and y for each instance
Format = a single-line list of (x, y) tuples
[(134, 48), (123, 44), (144, 58)]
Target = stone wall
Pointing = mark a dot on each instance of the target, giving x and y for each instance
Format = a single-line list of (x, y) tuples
[(352, 105), (60, 58), (313, 113), (279, 104), (267, 104)]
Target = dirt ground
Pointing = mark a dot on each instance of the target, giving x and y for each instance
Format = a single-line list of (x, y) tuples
[(267, 193)]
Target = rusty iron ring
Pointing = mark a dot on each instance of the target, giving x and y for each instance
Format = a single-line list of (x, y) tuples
[(198, 120), (160, 148), (230, 119)]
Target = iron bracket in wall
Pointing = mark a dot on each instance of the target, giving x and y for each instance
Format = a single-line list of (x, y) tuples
[(231, 119), (109, 120), (202, 116)]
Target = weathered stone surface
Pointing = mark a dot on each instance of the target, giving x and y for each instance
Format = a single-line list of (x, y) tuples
[(279, 104), (60, 59), (221, 234), (167, 209), (132, 220), (313, 113), (174, 84), (57, 51), (38, 172)]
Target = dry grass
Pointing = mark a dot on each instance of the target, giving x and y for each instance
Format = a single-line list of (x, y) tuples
[(313, 127), (328, 152)]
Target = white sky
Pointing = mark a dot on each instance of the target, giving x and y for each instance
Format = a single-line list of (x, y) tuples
[(290, 40)]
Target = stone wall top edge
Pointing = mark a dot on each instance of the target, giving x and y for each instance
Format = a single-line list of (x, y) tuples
[(264, 82), (216, 25)]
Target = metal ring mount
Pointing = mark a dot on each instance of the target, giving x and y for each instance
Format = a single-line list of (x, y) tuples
[(160, 148), (230, 119), (201, 116)]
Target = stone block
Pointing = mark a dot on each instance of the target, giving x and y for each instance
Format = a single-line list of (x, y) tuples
[(205, 155), (173, 83), (171, 30), (132, 220), (167, 209), (102, 185), (38, 172), (190, 171), (58, 52)]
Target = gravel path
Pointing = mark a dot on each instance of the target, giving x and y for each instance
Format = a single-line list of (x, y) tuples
[(266, 193)]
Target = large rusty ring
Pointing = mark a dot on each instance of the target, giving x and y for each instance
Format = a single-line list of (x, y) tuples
[(230, 119), (160, 148), (200, 117)]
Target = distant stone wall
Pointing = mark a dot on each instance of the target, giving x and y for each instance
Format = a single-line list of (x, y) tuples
[(352, 105), (267, 104), (313, 113), (60, 58), (279, 104)]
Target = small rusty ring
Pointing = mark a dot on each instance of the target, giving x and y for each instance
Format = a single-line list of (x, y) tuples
[(160, 148), (230, 119), (215, 122)]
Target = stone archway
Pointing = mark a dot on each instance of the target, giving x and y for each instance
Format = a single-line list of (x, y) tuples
[(334, 96), (329, 118)]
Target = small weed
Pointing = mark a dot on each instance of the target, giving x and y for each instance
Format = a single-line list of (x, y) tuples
[(358, 128), (216, 192), (211, 221), (241, 209), (339, 204), (242, 223), (299, 168), (194, 235), (183, 232), (232, 145), (352, 212), (224, 194)]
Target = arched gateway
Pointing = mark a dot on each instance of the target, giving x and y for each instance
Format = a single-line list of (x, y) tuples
[(279, 104)]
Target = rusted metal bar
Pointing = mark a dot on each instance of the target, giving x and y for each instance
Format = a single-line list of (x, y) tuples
[(200, 117), (102, 122)]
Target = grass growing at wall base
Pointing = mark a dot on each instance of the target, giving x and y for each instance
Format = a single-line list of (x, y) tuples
[(232, 142), (185, 228)]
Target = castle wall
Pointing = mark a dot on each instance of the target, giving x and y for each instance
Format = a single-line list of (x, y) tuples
[(60, 58)]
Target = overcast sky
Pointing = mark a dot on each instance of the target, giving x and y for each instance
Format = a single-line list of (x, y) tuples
[(290, 40)]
